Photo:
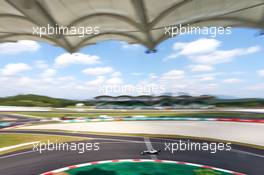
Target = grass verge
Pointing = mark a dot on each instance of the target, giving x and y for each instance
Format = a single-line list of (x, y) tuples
[(15, 139)]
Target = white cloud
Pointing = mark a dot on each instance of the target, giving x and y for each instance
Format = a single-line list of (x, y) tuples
[(13, 69), (173, 74), (25, 81), (19, 47), (201, 68), (232, 80), (206, 78), (49, 73), (40, 64), (76, 58), (206, 51), (252, 49), (130, 46), (178, 81), (66, 78), (223, 56), (136, 73), (261, 73), (98, 70), (153, 76), (97, 82), (236, 73), (200, 46), (114, 81), (116, 74)]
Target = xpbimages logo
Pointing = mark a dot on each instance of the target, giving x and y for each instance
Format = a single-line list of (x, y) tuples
[(80, 147), (176, 30), (51, 30), (212, 147)]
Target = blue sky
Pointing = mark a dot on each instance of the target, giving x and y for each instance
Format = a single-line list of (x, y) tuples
[(230, 65)]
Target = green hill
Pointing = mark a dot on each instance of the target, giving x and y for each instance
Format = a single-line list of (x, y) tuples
[(31, 100)]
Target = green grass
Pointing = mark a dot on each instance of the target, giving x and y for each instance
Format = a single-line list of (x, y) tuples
[(118, 113), (143, 168), (15, 139)]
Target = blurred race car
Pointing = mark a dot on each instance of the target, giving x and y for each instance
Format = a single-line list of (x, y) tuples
[(150, 152)]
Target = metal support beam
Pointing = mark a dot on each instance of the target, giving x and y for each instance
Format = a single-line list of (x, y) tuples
[(140, 9)]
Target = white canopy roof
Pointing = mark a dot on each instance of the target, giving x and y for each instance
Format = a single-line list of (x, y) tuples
[(133, 21)]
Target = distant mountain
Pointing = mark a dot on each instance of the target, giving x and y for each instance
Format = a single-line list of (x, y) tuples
[(32, 100)]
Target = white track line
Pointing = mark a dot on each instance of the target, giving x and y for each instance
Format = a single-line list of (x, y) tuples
[(17, 146), (17, 154), (249, 153), (149, 146)]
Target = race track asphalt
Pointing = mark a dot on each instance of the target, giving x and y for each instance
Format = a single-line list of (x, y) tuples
[(240, 159), (16, 120)]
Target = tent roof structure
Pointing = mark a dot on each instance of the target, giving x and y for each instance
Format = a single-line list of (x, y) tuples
[(132, 21)]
